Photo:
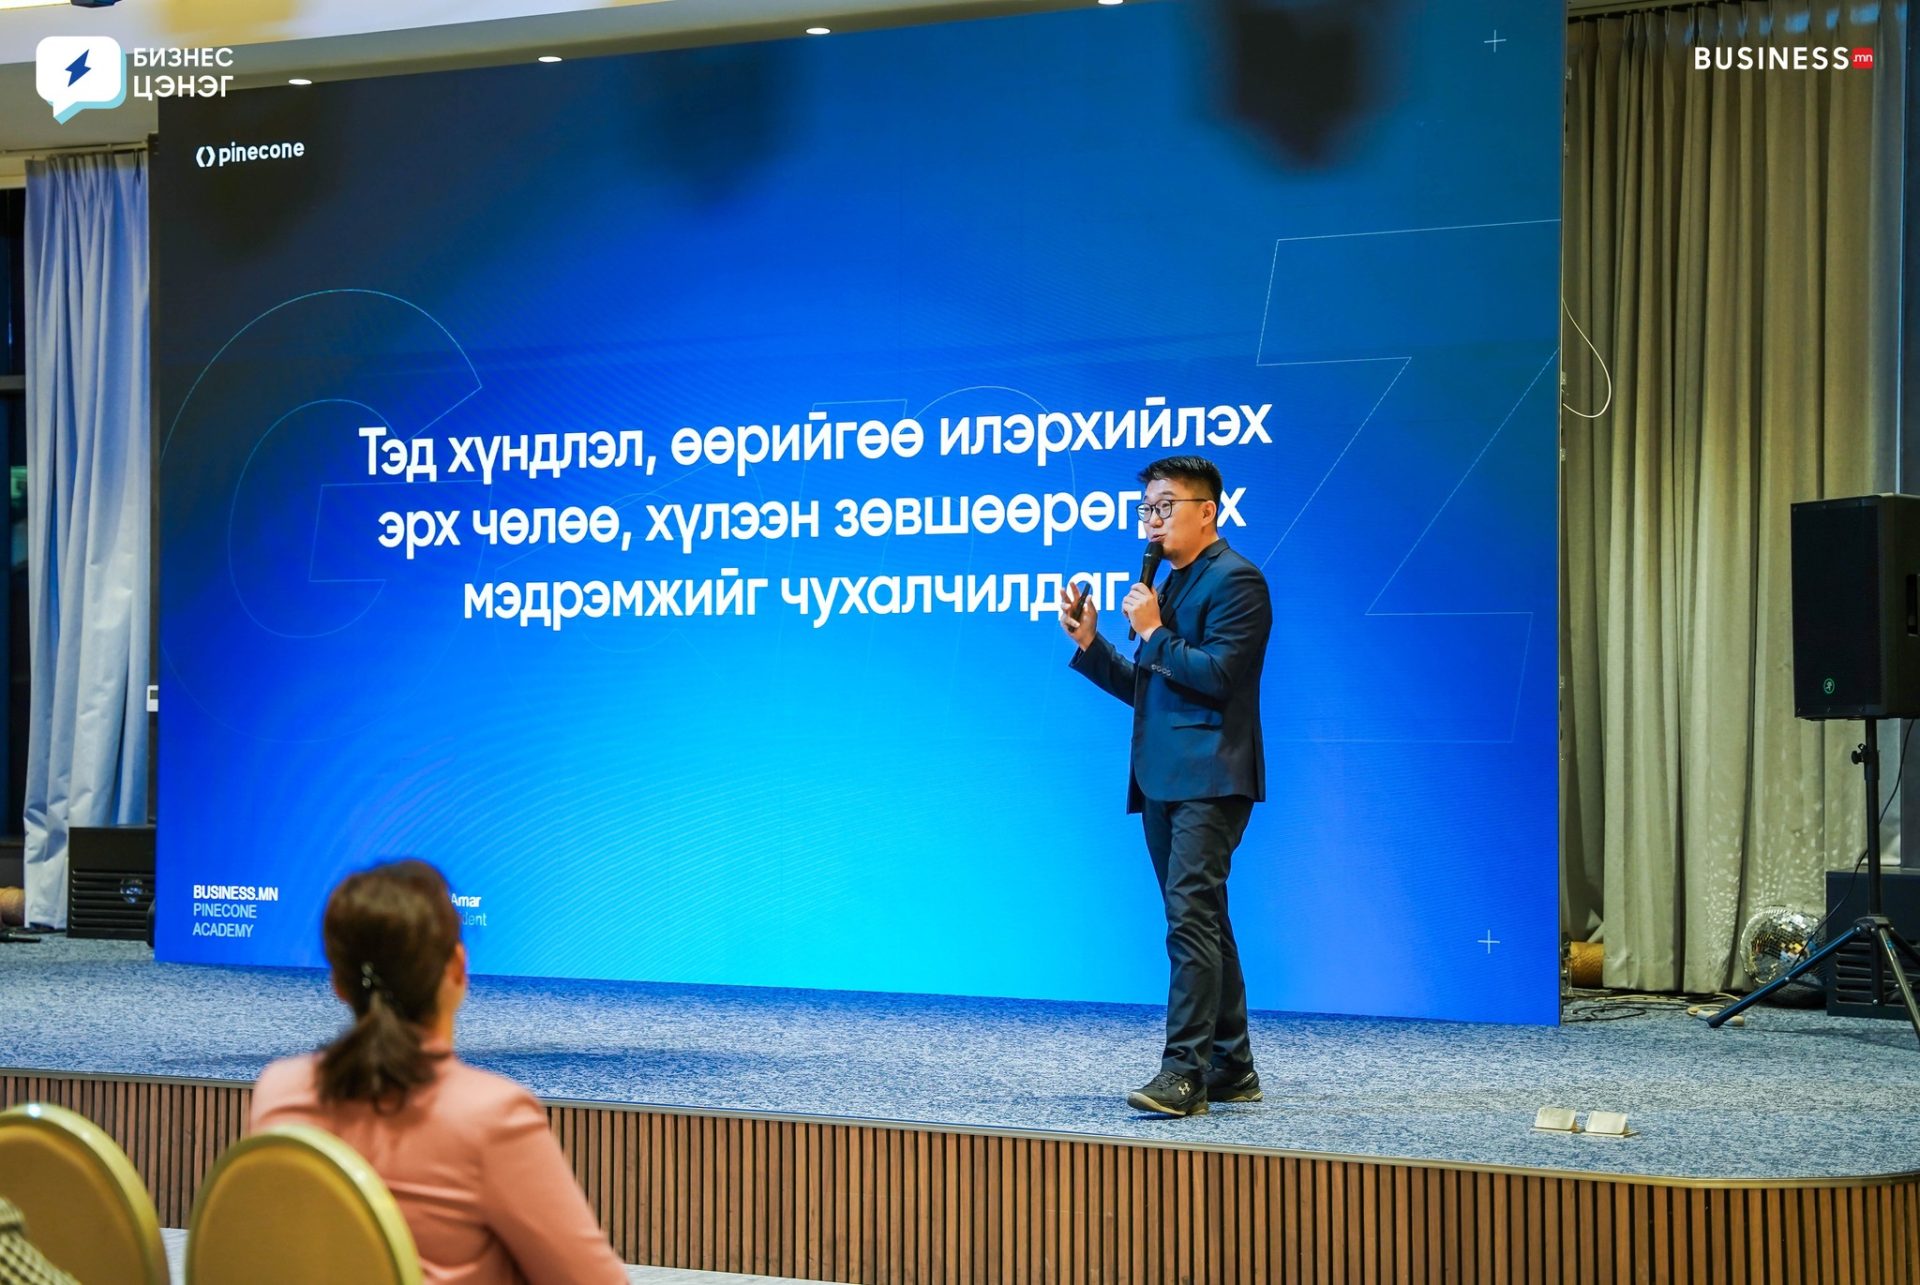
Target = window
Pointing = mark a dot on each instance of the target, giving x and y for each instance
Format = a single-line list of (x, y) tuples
[(13, 587)]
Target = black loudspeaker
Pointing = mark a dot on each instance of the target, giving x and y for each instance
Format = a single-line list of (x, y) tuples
[(1859, 981), (1856, 607), (109, 881)]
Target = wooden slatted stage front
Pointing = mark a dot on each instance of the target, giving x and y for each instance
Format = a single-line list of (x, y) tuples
[(847, 1200)]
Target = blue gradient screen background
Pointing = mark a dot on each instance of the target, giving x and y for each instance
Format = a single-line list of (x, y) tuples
[(1065, 212)]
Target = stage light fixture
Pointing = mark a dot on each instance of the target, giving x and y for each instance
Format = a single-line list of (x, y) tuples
[(819, 31), (298, 80), (1553, 1119), (1608, 1124), (549, 57)]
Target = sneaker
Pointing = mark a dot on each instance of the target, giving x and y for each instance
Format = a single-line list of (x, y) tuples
[(1233, 1086), (1170, 1093)]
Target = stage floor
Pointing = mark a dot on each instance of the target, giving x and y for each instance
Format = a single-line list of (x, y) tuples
[(1793, 1094)]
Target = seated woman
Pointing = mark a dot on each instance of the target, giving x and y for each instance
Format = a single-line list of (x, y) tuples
[(466, 1153)]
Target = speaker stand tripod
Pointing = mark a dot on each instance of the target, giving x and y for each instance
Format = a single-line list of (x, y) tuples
[(1873, 927)]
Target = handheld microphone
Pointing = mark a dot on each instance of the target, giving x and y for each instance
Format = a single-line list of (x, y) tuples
[(1149, 565)]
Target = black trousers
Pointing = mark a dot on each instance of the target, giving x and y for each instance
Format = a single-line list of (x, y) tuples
[(1192, 845)]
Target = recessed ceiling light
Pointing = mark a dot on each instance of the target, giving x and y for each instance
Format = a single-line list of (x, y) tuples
[(819, 31), (549, 57), (1109, 1), (299, 80)]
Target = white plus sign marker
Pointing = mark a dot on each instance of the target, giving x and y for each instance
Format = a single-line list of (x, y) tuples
[(1489, 941), (1497, 40)]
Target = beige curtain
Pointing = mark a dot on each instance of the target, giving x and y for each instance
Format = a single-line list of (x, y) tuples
[(1731, 250)]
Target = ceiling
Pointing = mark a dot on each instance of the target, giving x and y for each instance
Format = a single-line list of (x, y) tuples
[(344, 39)]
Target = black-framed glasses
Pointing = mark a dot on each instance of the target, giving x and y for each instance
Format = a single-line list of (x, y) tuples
[(1163, 509)]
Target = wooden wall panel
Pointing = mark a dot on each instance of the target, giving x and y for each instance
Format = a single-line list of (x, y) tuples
[(890, 1205)]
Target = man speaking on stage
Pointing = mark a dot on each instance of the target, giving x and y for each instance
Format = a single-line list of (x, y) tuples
[(1198, 765)]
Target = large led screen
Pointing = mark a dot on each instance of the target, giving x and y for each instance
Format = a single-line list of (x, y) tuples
[(638, 485)]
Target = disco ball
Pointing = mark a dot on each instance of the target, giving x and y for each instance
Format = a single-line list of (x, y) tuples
[(1774, 940)]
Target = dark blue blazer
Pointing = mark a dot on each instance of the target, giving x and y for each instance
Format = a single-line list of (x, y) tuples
[(1195, 685)]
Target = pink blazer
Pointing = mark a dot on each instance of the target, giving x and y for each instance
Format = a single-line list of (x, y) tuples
[(475, 1170)]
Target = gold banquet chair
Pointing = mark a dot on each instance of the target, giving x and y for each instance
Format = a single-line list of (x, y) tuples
[(297, 1206), (86, 1209)]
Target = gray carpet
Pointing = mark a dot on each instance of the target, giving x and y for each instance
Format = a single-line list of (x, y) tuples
[(176, 1241), (1794, 1094)]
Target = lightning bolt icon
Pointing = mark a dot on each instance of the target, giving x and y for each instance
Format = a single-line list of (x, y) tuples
[(77, 68)]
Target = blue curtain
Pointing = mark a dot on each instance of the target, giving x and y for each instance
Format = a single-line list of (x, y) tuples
[(88, 505)]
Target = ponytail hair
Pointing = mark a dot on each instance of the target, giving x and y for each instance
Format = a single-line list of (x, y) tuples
[(388, 933)]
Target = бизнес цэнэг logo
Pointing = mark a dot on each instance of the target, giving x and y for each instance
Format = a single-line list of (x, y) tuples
[(74, 73)]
